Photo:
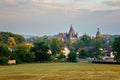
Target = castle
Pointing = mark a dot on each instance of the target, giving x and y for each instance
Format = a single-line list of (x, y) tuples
[(72, 36)]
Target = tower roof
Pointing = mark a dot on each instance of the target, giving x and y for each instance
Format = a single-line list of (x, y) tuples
[(71, 30), (98, 35)]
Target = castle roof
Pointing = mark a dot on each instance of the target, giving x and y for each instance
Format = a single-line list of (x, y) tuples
[(70, 35), (71, 30)]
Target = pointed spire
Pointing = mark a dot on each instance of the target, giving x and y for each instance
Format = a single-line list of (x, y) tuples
[(98, 35), (71, 25), (71, 29)]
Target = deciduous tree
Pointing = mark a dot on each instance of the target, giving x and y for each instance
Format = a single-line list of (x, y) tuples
[(116, 48), (40, 50), (83, 54), (72, 56)]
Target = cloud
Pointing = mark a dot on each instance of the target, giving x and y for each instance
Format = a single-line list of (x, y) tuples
[(11, 1), (45, 16), (75, 5), (14, 3), (111, 17), (115, 3), (66, 5)]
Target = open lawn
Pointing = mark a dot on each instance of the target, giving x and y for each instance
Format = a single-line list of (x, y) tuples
[(60, 71)]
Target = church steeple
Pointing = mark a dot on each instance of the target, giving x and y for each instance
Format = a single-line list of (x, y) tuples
[(98, 35)]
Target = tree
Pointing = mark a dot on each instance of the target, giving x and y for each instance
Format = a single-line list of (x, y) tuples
[(77, 44), (56, 46), (4, 52), (86, 40), (96, 47), (23, 54), (72, 56), (11, 42), (40, 50), (116, 49), (83, 54)]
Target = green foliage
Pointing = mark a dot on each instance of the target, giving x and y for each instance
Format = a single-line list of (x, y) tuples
[(52, 58), (110, 43), (116, 48), (61, 56), (15, 55), (3, 60), (29, 57), (42, 57), (56, 46), (86, 40), (98, 44), (83, 54), (5, 35), (72, 56), (4, 52), (40, 50), (77, 44), (23, 54), (39, 40)]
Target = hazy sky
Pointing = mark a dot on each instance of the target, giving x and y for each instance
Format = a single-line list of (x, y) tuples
[(49, 17)]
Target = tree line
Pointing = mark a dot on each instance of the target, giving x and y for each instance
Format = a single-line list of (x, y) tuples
[(13, 46)]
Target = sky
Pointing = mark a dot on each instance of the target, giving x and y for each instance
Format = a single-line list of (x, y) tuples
[(49, 17)]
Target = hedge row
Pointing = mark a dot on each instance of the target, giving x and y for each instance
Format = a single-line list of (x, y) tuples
[(104, 62)]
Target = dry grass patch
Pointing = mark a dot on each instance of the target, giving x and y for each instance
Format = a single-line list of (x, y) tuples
[(60, 71)]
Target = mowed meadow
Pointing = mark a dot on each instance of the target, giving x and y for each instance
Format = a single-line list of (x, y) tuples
[(60, 71)]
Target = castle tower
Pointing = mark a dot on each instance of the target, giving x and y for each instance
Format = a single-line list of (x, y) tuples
[(72, 36), (72, 33)]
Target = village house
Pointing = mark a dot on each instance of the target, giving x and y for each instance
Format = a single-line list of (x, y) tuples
[(108, 54), (65, 50)]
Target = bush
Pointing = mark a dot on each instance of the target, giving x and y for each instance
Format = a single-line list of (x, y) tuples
[(61, 56), (52, 58), (3, 60)]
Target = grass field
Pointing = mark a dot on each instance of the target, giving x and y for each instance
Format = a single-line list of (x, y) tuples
[(60, 71)]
